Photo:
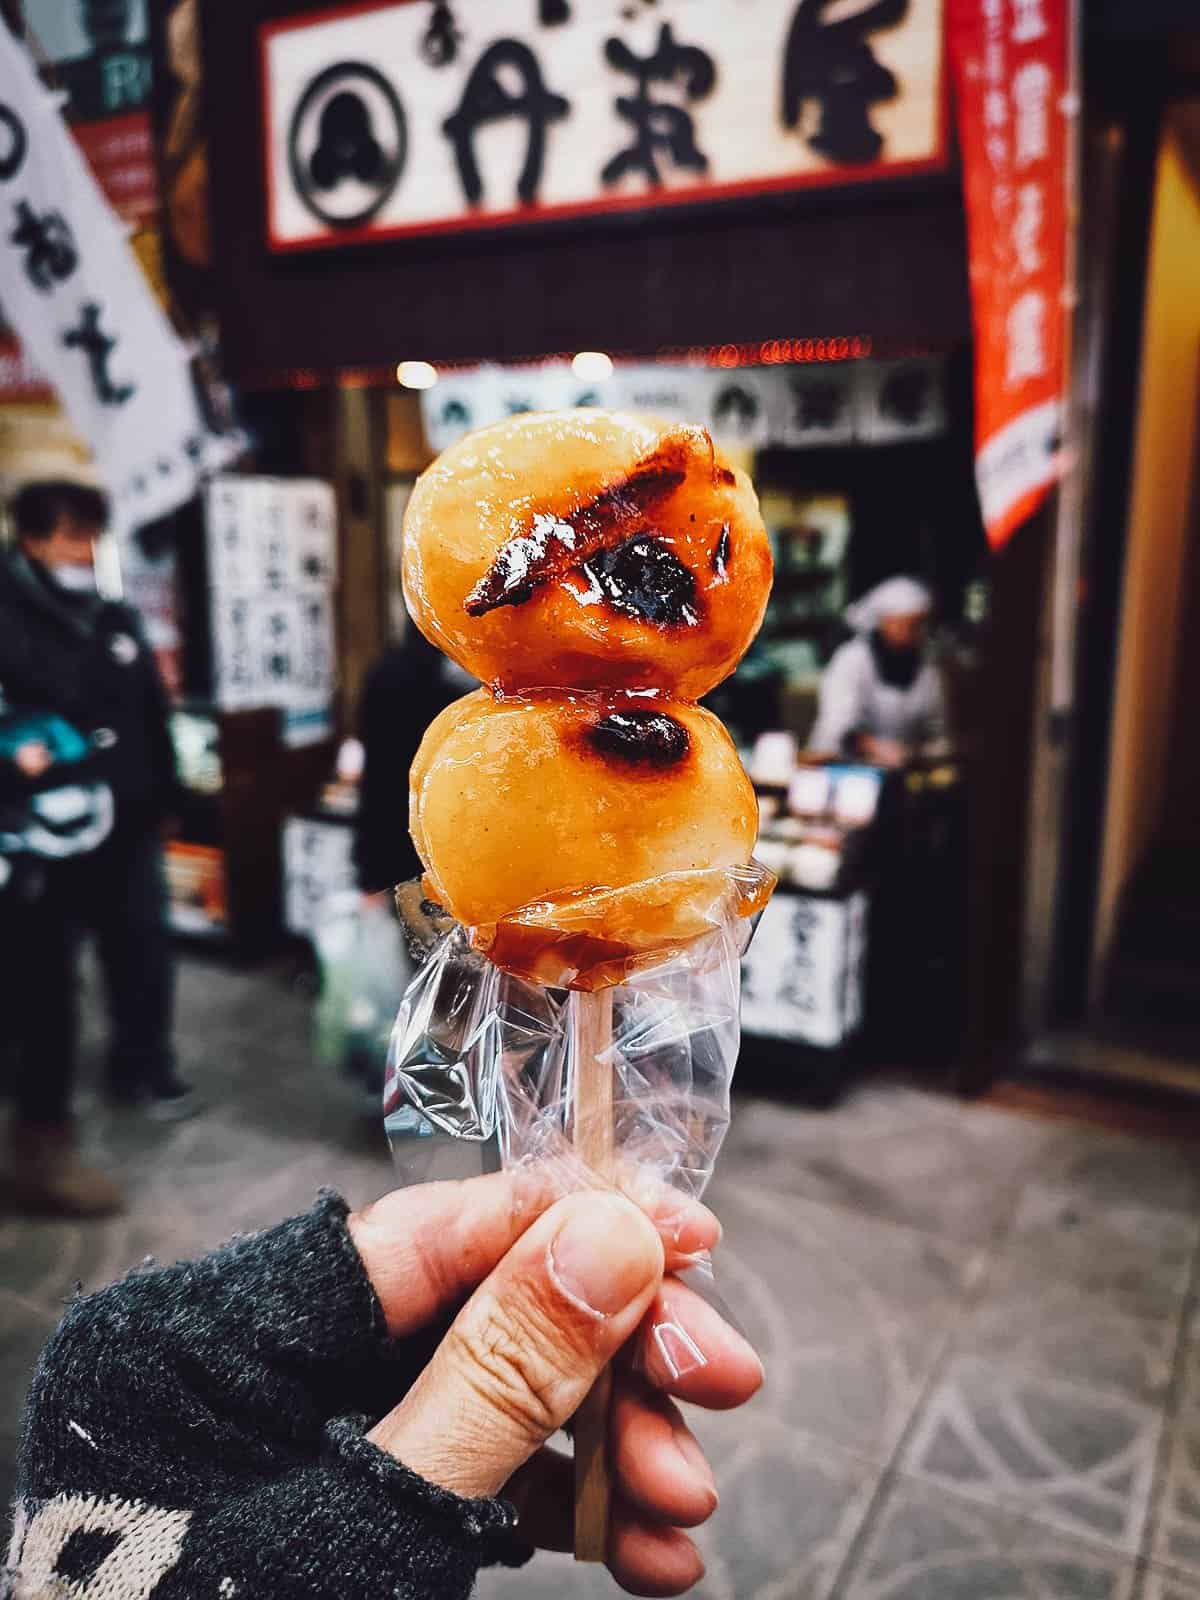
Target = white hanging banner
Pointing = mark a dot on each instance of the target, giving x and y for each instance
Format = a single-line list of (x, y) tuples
[(73, 292)]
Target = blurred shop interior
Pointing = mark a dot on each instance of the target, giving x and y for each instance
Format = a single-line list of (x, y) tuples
[(1018, 906)]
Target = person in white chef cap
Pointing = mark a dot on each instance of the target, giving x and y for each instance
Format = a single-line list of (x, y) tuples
[(881, 696)]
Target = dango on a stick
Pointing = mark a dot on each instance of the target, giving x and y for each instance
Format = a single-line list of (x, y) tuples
[(579, 814)]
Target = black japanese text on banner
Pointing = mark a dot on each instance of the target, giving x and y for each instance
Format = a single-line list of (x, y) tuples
[(72, 290)]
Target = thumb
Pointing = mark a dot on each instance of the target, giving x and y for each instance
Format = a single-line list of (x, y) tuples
[(528, 1345)]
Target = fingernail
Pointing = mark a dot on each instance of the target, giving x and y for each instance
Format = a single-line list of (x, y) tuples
[(676, 1353), (697, 1463), (692, 1230), (605, 1255)]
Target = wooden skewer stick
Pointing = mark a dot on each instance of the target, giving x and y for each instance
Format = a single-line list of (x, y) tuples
[(593, 1144)]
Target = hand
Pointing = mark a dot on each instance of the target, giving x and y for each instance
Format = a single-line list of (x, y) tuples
[(883, 752), (558, 1288), (33, 758)]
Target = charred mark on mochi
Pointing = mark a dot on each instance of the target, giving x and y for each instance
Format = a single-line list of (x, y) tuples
[(721, 552), (557, 545), (646, 580), (640, 739)]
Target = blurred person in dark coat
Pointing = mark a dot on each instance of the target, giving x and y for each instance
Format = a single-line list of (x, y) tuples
[(404, 691), (66, 651)]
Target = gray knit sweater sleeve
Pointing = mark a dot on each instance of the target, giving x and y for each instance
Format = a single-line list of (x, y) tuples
[(198, 1431)]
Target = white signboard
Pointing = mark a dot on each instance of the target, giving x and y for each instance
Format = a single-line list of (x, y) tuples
[(73, 292), (802, 977), (318, 862), (901, 400), (409, 118), (815, 405), (272, 546), (738, 405), (802, 406)]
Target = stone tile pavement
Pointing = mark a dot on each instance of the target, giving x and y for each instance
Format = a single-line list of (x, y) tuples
[(981, 1331)]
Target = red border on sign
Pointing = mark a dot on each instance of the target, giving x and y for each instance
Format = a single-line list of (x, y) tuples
[(824, 178)]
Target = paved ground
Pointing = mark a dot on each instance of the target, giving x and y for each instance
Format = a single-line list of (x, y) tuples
[(981, 1331)]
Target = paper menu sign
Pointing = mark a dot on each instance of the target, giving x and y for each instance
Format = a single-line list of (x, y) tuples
[(272, 548)]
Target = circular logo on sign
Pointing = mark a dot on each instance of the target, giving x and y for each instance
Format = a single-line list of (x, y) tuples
[(347, 143), (123, 649)]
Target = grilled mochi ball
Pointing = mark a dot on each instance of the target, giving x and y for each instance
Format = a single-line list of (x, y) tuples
[(613, 816), (587, 549)]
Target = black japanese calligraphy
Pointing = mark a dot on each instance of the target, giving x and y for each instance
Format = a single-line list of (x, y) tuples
[(455, 415), (487, 98), (51, 254), (552, 12), (442, 37), (832, 63), (905, 394), (660, 127), (736, 406), (14, 143), (817, 404), (98, 347)]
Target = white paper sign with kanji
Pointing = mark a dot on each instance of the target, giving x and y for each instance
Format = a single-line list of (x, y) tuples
[(74, 293), (272, 566), (409, 118)]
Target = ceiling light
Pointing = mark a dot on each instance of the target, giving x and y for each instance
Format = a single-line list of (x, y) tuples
[(592, 366), (416, 375)]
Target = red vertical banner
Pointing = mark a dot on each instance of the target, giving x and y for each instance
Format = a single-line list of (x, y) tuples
[(1012, 62)]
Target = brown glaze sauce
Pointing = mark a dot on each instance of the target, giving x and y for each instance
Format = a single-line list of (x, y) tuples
[(647, 739), (555, 546), (643, 578)]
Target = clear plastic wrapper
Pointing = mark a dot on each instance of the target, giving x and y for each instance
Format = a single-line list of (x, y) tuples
[(483, 1068)]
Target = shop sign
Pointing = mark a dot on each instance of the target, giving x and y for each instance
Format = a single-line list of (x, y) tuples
[(803, 975), (842, 403), (98, 56), (197, 888), (318, 864), (272, 547), (97, 51), (1012, 70), (76, 298), (409, 117)]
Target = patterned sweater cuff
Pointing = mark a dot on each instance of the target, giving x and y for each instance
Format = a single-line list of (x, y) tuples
[(486, 1526), (346, 1444)]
